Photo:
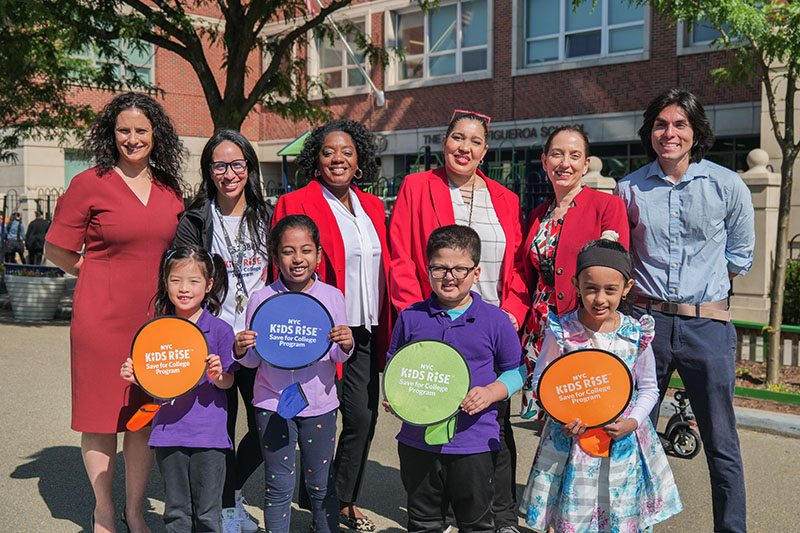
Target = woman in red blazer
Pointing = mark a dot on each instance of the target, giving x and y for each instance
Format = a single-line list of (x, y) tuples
[(459, 193), (558, 229), (350, 221)]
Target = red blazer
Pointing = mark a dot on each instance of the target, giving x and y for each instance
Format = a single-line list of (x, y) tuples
[(593, 213), (424, 204), (310, 201)]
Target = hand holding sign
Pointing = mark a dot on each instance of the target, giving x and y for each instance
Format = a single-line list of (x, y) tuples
[(425, 383), (291, 330), (585, 390), (168, 359)]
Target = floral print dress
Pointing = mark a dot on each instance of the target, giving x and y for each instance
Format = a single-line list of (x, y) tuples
[(543, 298), (626, 492)]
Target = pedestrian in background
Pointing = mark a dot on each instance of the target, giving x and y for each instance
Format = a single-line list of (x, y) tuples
[(34, 238), (15, 235)]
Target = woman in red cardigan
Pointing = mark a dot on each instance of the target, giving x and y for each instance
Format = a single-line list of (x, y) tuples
[(459, 193), (355, 259), (558, 229)]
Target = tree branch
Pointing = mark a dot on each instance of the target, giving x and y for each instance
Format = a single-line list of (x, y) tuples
[(283, 47)]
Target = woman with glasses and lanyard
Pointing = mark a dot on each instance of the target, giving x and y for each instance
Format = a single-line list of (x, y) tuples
[(459, 193), (558, 229), (230, 218)]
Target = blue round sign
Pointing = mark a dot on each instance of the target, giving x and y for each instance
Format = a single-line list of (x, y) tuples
[(292, 329)]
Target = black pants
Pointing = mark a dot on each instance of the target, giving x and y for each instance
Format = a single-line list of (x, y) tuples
[(35, 256), (358, 392), (241, 464), (432, 480), (191, 488), (504, 505)]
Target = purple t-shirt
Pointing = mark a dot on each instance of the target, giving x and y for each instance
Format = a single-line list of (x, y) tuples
[(199, 418), (487, 340)]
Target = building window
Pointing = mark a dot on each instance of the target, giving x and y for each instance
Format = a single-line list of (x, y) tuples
[(140, 57), (447, 41), (336, 68), (701, 33), (555, 31)]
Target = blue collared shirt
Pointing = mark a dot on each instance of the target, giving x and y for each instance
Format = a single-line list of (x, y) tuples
[(687, 236)]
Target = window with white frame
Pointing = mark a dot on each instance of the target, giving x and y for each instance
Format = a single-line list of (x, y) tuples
[(701, 33), (556, 31), (451, 40), (140, 56), (336, 68)]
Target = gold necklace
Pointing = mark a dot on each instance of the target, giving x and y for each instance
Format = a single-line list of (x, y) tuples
[(471, 199)]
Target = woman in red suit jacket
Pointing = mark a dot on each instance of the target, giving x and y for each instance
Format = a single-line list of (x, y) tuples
[(332, 157), (558, 229), (459, 193)]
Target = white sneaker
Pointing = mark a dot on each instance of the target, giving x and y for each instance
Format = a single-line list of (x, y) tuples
[(247, 523), (230, 522)]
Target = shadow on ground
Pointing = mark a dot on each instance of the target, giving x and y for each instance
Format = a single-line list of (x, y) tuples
[(65, 489)]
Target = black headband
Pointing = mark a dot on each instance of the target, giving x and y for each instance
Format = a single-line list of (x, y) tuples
[(607, 257)]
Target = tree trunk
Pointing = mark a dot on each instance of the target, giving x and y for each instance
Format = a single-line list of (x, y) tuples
[(779, 271)]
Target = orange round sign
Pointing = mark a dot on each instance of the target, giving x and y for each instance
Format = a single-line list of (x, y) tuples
[(169, 357), (592, 385)]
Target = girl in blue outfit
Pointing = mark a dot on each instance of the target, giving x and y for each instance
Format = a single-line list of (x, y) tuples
[(632, 489), (296, 250), (190, 433)]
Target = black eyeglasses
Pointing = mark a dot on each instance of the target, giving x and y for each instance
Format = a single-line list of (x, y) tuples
[(239, 166), (459, 272)]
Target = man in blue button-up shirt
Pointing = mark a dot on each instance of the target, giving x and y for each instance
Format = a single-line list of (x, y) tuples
[(691, 233)]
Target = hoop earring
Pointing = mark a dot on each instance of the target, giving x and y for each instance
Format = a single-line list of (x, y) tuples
[(358, 173)]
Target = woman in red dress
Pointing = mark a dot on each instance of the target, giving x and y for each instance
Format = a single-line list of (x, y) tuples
[(123, 213)]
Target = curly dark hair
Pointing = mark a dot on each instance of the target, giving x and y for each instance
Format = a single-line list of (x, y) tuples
[(362, 138), (255, 210), (166, 158), (213, 268), (703, 135)]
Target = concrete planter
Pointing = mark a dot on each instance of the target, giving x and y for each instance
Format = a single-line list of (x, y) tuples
[(34, 298)]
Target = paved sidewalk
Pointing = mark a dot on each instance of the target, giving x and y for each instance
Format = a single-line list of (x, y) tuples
[(45, 488)]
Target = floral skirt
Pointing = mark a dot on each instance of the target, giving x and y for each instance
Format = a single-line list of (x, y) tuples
[(573, 491)]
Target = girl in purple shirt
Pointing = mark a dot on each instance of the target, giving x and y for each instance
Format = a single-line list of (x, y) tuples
[(296, 250), (190, 433)]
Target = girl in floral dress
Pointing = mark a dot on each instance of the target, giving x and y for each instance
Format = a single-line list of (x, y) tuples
[(630, 490)]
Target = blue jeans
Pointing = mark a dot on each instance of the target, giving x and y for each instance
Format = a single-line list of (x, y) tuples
[(703, 351), (316, 436)]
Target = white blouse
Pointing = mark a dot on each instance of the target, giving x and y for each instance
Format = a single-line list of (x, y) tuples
[(493, 240), (363, 289)]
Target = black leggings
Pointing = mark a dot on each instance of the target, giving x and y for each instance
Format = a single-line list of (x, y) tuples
[(240, 465)]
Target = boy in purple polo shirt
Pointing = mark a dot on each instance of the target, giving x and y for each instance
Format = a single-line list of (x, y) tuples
[(461, 472)]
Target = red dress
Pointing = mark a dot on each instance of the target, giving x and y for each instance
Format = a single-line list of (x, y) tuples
[(124, 241)]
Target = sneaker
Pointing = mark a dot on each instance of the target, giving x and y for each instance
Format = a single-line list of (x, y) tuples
[(230, 522), (448, 530), (508, 529), (247, 522)]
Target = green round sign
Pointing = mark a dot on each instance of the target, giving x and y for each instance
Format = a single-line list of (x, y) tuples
[(425, 382)]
